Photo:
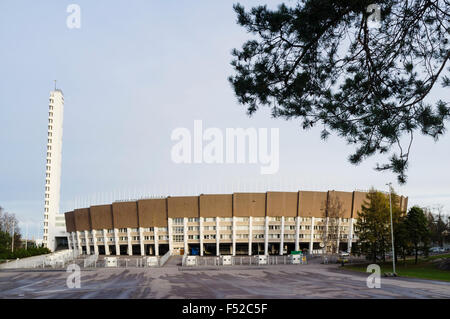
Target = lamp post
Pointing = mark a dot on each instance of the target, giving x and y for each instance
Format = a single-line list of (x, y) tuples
[(392, 228)]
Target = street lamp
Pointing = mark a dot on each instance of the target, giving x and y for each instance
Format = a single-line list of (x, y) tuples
[(392, 228)]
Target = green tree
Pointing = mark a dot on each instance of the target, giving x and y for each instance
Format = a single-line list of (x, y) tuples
[(321, 61), (373, 224), (418, 231)]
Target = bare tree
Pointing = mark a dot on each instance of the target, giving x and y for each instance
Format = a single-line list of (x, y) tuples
[(333, 212)]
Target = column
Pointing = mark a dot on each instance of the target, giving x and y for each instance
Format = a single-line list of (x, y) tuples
[(338, 234), (141, 241), (233, 237), (116, 241), (217, 236), (297, 233), (105, 239), (201, 235), (266, 236), (80, 249), (94, 239), (350, 235), (88, 246), (282, 236), (68, 242), (169, 231), (250, 235), (130, 247), (79, 242), (325, 238), (311, 240), (185, 236), (156, 240)]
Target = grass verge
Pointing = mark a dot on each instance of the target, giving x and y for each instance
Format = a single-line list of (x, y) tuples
[(425, 268)]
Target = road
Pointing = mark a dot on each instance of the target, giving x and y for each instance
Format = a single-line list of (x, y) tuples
[(275, 281)]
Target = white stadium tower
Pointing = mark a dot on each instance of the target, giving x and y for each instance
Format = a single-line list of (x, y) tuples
[(54, 236)]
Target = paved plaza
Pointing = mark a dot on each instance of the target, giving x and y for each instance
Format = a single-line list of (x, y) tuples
[(172, 281)]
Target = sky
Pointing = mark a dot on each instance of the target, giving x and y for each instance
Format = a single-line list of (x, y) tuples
[(133, 73)]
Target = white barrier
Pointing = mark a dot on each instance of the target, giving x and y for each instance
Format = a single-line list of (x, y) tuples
[(151, 261), (55, 260), (110, 261)]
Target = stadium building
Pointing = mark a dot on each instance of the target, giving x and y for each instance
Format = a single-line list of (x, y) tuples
[(271, 223)]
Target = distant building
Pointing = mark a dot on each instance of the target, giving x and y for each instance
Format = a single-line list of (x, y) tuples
[(54, 236), (226, 224)]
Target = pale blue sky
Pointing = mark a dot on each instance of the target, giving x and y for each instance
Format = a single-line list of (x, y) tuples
[(135, 71)]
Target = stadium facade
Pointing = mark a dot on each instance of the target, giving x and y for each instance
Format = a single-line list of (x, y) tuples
[(226, 224)]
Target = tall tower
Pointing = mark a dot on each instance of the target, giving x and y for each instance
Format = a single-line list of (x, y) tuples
[(53, 222)]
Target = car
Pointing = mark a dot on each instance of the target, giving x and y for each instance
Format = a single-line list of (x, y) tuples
[(437, 250), (344, 254)]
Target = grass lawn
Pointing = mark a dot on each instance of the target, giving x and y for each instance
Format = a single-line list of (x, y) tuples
[(424, 269)]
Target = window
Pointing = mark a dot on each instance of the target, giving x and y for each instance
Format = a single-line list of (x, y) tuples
[(149, 237), (193, 219), (258, 227), (163, 237), (241, 227), (178, 221), (223, 236), (193, 228), (123, 238), (178, 230), (135, 230), (122, 230), (162, 229), (274, 227), (209, 227), (258, 236), (241, 236), (226, 219), (209, 236), (110, 231), (290, 227), (178, 238), (225, 227), (194, 237), (135, 238), (209, 219)]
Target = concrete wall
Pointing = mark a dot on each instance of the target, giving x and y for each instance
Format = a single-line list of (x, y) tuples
[(312, 204), (183, 206), (340, 204), (152, 212), (216, 205), (101, 217), (282, 204), (125, 215), (70, 221), (82, 219), (249, 204)]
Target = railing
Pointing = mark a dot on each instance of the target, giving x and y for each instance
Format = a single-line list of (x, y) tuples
[(197, 261), (55, 260), (164, 259), (91, 260)]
